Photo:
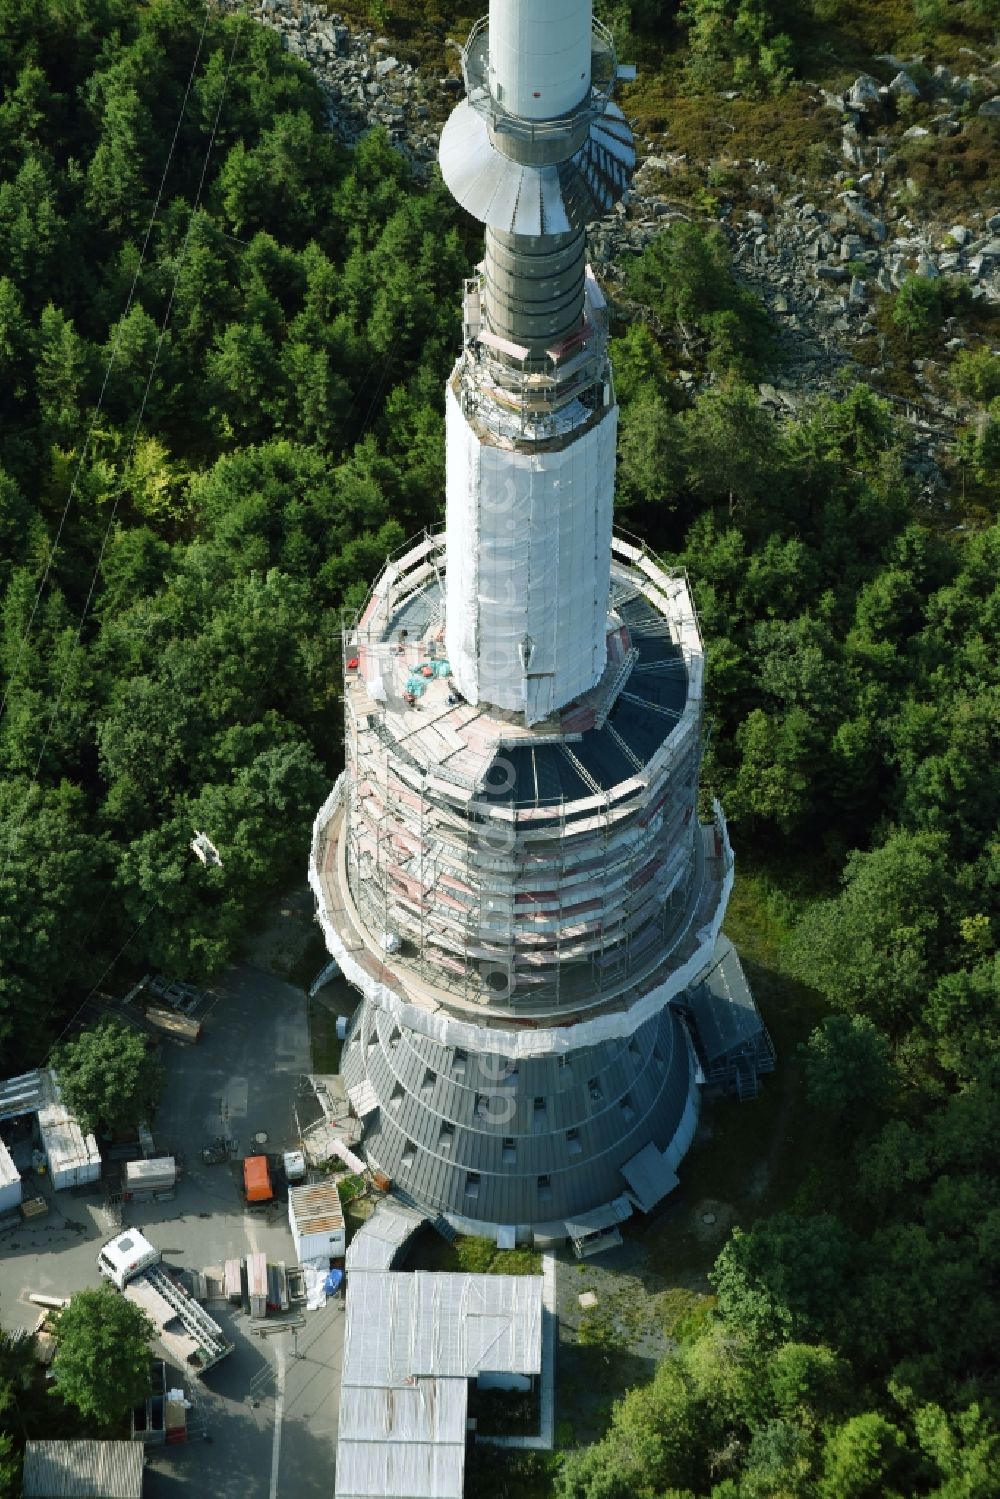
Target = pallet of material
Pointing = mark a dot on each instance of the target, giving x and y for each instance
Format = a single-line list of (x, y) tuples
[(173, 1023), (34, 1207), (234, 1280)]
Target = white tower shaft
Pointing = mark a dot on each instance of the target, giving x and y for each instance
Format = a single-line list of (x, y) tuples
[(536, 152), (540, 56)]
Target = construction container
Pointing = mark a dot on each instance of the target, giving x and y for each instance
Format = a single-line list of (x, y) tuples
[(257, 1284), (73, 1157), (316, 1218), (257, 1179), (152, 1178), (10, 1182)]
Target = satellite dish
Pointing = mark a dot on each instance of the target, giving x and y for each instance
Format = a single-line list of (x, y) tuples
[(204, 849)]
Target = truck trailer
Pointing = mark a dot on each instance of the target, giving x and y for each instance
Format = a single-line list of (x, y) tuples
[(132, 1264)]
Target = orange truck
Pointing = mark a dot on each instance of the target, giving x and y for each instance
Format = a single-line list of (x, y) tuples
[(257, 1179)]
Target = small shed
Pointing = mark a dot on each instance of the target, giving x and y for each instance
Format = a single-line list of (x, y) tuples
[(316, 1218), (82, 1470), (73, 1157), (10, 1182)]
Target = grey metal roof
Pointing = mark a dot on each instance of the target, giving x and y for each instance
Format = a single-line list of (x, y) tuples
[(722, 1006), (379, 1242), (25, 1094), (482, 1139), (646, 711), (464, 1325), (411, 1343), (650, 1177), (516, 198), (82, 1470)]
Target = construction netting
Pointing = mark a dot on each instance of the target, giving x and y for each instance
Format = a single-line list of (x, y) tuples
[(529, 564)]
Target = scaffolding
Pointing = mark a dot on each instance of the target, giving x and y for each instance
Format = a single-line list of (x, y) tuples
[(535, 872)]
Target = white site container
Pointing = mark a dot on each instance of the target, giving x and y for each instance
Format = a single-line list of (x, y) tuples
[(316, 1218), (10, 1182), (73, 1157), (159, 1174)]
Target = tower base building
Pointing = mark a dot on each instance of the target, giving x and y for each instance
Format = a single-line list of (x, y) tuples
[(511, 868)]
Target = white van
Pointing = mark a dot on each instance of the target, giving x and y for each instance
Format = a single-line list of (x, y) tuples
[(126, 1256)]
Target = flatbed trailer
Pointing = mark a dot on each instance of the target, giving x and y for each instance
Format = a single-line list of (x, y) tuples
[(187, 1332)]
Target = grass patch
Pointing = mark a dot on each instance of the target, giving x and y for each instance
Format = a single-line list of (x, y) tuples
[(350, 1187), (324, 1047), (565, 1435), (309, 961), (756, 1155), (788, 131), (470, 1255), (951, 173)]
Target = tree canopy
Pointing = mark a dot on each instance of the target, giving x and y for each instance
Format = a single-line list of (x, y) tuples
[(102, 1363), (109, 1077), (216, 420)]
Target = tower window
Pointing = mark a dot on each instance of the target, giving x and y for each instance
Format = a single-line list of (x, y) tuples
[(430, 1078), (445, 1138), (472, 1184), (395, 1097), (573, 1141), (545, 1189), (625, 1103), (459, 1062), (508, 1152), (539, 1105), (409, 1155), (594, 1089)]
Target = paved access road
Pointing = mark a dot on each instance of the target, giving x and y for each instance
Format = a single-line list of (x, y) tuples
[(271, 1406)]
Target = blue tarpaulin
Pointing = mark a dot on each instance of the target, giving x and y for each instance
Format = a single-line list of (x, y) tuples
[(332, 1282)]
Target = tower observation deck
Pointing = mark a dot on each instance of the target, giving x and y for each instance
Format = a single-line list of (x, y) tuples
[(511, 868)]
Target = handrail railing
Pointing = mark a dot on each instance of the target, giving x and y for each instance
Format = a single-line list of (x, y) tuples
[(475, 67)]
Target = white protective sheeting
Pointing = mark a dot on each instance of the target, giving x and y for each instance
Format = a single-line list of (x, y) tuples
[(73, 1157), (529, 566), (540, 56), (10, 1181)]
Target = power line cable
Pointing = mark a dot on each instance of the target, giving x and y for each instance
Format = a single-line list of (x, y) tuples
[(110, 366), (237, 34)]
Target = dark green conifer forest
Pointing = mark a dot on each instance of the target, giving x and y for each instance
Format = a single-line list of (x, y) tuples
[(222, 358), (264, 322)]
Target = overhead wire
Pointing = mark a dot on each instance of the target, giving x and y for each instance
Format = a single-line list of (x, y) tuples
[(237, 34), (109, 367)]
